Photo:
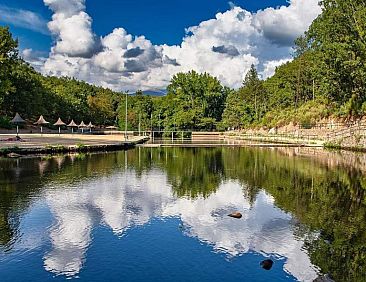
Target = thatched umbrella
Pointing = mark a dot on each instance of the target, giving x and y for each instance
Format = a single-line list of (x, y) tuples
[(90, 126), (59, 123), (72, 124), (82, 125), (41, 121), (17, 120)]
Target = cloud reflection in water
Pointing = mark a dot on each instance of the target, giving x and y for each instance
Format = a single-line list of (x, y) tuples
[(124, 200)]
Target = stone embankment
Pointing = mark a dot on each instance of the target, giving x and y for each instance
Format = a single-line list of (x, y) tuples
[(286, 140), (350, 136)]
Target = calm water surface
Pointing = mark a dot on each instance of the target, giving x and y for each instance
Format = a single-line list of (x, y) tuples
[(160, 214)]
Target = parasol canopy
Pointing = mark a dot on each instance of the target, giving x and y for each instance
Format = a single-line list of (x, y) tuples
[(72, 124), (59, 122), (82, 124), (90, 125), (41, 121), (17, 119)]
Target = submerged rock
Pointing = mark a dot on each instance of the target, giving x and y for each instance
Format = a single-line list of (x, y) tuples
[(235, 215), (267, 264)]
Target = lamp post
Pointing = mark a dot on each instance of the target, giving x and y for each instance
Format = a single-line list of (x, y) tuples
[(159, 124), (126, 118), (151, 127), (140, 123), (151, 122)]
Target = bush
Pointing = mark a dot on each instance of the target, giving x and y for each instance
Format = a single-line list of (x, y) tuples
[(363, 108), (306, 115), (5, 123)]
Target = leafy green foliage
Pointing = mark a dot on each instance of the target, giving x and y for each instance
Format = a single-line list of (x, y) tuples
[(198, 100), (5, 123), (139, 111), (326, 77), (8, 55), (339, 36)]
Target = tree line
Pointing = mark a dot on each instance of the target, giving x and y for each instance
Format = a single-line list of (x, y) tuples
[(327, 77)]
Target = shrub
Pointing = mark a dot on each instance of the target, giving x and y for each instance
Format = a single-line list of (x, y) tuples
[(5, 122)]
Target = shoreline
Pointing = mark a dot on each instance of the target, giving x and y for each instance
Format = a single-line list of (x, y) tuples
[(287, 141), (49, 144), (54, 144), (207, 145)]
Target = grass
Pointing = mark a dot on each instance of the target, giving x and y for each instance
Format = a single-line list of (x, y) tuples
[(80, 146), (56, 148)]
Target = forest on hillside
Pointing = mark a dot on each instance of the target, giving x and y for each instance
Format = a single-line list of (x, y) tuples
[(327, 77)]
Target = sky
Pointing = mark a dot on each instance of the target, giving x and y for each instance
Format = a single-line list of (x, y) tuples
[(141, 44)]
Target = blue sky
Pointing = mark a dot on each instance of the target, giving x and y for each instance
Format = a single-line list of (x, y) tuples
[(141, 44), (162, 21)]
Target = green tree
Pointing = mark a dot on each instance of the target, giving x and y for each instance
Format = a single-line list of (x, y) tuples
[(254, 93), (339, 35), (237, 113), (8, 55), (198, 101)]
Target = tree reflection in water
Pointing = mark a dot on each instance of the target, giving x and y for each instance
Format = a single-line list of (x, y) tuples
[(322, 206)]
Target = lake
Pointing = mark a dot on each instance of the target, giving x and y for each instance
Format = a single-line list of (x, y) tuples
[(160, 214)]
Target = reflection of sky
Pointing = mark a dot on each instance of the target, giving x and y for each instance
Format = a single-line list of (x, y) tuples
[(124, 200), (119, 201), (263, 228)]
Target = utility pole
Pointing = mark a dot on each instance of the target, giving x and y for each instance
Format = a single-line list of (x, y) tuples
[(152, 130), (126, 118), (159, 124), (140, 123)]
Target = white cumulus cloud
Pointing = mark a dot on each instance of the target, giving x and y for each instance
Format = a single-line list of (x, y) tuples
[(72, 27), (225, 46)]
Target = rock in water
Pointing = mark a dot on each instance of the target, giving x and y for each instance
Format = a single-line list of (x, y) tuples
[(235, 215), (267, 264)]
